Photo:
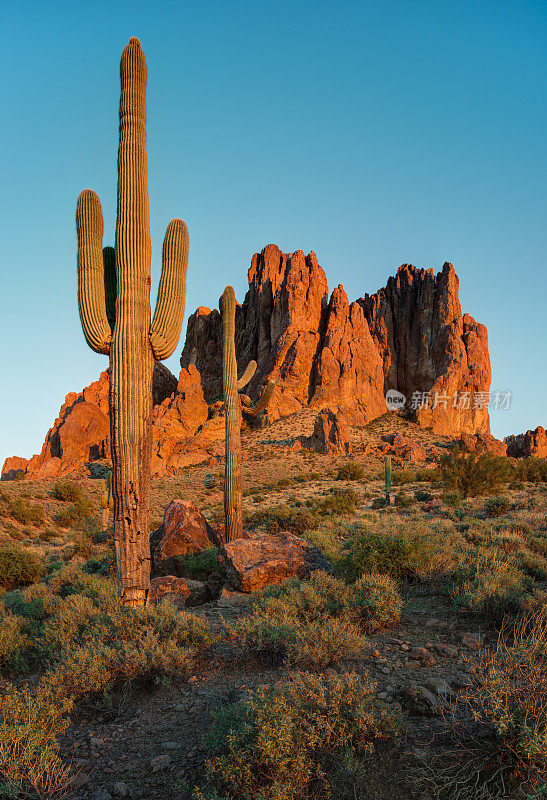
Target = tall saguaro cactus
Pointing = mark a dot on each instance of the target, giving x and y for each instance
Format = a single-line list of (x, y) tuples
[(114, 304), (234, 404)]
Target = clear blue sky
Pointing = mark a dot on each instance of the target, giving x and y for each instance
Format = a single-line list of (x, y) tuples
[(374, 133)]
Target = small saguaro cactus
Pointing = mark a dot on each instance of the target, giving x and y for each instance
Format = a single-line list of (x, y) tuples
[(107, 501), (114, 304), (234, 404), (388, 480)]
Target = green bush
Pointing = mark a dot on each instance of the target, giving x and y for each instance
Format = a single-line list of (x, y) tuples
[(26, 513), (402, 500), (400, 477), (405, 551), (488, 582), (76, 516), (18, 567), (423, 497), (281, 518), (531, 469), (67, 491), (379, 502), (339, 501), (475, 473), (452, 499), (495, 506), (277, 744), (351, 471), (200, 565), (315, 622)]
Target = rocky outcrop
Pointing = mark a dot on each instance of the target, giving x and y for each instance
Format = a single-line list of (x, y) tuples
[(330, 434), (484, 441), (531, 443), (168, 587), (322, 352), (404, 447), (427, 346), (268, 558), (14, 466), (409, 336)]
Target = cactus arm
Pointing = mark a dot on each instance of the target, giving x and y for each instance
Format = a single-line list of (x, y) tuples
[(233, 482), (167, 322), (246, 401), (263, 402), (91, 290), (247, 375), (388, 480), (109, 265)]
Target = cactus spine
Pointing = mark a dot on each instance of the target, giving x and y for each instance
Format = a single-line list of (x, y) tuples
[(388, 480), (234, 404), (114, 304)]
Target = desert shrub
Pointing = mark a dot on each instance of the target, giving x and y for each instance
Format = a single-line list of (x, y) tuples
[(400, 477), (284, 483), (326, 540), (406, 551), (379, 502), (339, 501), (26, 513), (200, 565), (402, 500), (475, 473), (495, 506), (18, 567), (532, 564), (351, 471), (516, 486), (67, 491), (499, 725), (488, 582), (510, 700), (281, 518), (12, 638), (281, 743), (531, 469), (48, 534), (29, 751), (312, 623), (377, 600), (428, 476), (76, 515), (538, 544), (423, 497), (451, 499)]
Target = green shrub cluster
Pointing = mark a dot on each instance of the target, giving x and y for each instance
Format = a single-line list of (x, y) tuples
[(22, 511), (68, 492), (495, 506), (282, 744), (400, 550), (351, 471), (201, 564), (475, 473), (315, 622), (18, 567)]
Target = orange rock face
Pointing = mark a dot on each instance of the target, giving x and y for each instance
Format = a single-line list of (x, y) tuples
[(410, 336), (322, 352), (330, 433), (531, 443), (168, 586)]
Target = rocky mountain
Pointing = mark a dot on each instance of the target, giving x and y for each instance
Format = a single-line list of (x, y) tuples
[(322, 351)]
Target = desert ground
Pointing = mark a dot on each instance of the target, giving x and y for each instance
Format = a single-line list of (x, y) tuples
[(415, 669)]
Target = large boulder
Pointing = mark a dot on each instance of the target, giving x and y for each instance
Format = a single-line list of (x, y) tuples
[(168, 587), (184, 531), (268, 558), (14, 467)]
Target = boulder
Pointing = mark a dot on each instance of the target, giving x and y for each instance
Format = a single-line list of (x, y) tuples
[(405, 448), (168, 587), (267, 559), (330, 434), (184, 530)]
